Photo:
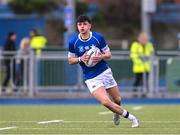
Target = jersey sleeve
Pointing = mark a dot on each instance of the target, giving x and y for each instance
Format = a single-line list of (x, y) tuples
[(71, 52), (103, 44)]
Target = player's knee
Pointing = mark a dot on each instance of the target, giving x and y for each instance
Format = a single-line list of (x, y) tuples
[(106, 102), (117, 99)]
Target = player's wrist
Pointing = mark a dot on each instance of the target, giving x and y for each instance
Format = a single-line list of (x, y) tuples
[(79, 59), (102, 57)]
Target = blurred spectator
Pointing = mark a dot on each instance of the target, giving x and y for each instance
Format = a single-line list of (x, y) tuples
[(140, 53), (37, 42), (22, 61), (9, 51)]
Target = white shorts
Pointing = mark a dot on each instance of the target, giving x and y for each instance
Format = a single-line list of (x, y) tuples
[(105, 79)]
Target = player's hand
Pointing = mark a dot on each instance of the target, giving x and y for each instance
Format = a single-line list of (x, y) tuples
[(85, 57), (97, 58)]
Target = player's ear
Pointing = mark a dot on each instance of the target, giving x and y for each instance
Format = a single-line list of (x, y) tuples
[(90, 25)]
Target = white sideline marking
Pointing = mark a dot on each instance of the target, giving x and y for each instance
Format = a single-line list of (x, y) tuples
[(105, 113), (87, 121), (137, 108), (51, 121), (7, 128)]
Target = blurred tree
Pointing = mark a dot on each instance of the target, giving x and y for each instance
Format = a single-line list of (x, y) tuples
[(122, 16), (32, 6), (90, 8), (81, 8), (121, 11), (55, 30)]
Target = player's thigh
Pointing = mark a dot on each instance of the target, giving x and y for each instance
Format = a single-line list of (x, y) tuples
[(94, 83), (108, 79), (101, 95), (114, 93)]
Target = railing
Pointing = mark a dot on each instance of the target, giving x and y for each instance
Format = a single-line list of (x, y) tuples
[(15, 70), (50, 74)]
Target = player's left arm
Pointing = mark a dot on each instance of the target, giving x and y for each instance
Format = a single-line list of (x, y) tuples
[(105, 50), (106, 55), (102, 56)]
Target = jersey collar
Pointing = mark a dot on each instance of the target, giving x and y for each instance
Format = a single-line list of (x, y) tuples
[(79, 36)]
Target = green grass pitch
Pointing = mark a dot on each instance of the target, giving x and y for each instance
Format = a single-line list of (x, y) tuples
[(85, 119)]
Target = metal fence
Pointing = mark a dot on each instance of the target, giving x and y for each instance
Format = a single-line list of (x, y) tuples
[(50, 75)]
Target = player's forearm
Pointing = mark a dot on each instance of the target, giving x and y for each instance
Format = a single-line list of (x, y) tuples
[(73, 60), (106, 55)]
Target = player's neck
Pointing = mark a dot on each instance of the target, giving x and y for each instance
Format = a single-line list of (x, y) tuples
[(85, 36)]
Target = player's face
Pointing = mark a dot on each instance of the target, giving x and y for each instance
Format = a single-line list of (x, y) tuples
[(83, 27)]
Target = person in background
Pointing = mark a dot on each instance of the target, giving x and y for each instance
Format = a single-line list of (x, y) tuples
[(140, 53), (37, 42), (22, 61), (9, 51)]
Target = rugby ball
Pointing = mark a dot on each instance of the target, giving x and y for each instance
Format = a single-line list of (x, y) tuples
[(94, 51)]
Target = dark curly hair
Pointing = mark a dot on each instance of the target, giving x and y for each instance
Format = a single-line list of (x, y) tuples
[(83, 18)]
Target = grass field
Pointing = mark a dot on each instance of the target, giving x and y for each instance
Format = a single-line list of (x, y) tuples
[(90, 119)]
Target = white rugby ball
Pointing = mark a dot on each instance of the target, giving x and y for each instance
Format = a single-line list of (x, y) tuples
[(94, 51)]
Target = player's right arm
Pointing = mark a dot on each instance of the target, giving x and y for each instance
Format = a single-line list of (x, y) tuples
[(72, 55), (73, 59)]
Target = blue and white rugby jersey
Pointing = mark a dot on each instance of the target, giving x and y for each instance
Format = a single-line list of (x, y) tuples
[(77, 47)]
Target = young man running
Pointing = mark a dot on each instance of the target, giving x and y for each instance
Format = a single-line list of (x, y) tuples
[(98, 78)]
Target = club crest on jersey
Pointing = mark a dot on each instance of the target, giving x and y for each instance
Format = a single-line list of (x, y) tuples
[(81, 49)]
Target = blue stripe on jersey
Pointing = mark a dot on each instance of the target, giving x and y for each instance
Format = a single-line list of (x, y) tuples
[(79, 47)]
